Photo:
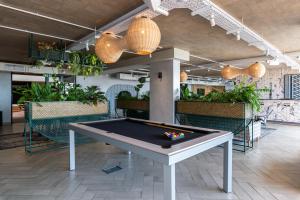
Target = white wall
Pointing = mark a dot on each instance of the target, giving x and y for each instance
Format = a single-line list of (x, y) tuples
[(5, 96), (105, 81)]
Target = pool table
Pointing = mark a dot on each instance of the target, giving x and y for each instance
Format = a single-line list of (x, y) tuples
[(147, 139)]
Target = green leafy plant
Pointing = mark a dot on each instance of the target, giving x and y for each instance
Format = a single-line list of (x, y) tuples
[(125, 95), (92, 94), (78, 62), (186, 94), (242, 92), (37, 93), (60, 91), (145, 96), (139, 86)]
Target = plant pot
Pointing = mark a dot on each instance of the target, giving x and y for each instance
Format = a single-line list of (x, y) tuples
[(228, 110), (42, 110), (133, 104)]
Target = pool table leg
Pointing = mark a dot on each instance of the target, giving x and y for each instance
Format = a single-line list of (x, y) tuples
[(227, 166), (72, 149), (169, 182)]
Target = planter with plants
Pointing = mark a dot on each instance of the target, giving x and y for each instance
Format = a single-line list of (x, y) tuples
[(229, 110), (63, 96), (138, 102), (241, 102), (49, 108), (134, 106)]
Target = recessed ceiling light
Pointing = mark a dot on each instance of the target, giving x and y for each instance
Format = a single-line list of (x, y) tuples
[(188, 70)]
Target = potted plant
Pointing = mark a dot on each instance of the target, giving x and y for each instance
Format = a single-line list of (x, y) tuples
[(229, 110), (241, 102), (60, 93), (138, 102)]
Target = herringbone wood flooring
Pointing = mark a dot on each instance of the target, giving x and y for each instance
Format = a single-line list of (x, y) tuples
[(271, 172)]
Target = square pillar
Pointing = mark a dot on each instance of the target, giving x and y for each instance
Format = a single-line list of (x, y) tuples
[(5, 96), (164, 91)]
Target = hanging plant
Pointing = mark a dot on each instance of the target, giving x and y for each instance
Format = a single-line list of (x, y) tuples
[(84, 63), (53, 54)]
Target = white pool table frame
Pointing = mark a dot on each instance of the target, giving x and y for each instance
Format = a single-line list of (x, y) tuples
[(168, 157)]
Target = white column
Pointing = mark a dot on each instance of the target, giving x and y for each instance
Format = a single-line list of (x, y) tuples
[(165, 90), (5, 96), (169, 182), (227, 174), (72, 149)]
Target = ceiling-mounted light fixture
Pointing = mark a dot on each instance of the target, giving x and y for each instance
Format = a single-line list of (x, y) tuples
[(109, 48), (274, 62), (87, 46), (212, 20), (238, 35), (183, 76), (143, 36), (256, 70)]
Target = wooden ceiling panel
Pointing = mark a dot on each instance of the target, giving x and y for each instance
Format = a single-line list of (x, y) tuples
[(14, 45)]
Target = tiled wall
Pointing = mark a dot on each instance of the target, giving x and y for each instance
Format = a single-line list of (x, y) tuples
[(274, 79), (281, 110)]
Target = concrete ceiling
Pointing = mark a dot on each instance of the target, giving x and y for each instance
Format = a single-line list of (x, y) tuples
[(195, 35), (89, 13), (276, 20)]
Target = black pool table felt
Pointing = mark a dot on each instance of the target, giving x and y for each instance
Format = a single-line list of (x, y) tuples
[(147, 131)]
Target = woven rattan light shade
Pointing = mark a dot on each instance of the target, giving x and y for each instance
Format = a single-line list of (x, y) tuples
[(256, 70), (143, 36), (230, 72), (109, 48), (183, 76)]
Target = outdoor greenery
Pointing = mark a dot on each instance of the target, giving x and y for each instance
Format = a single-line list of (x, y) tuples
[(242, 92), (60, 91), (78, 62), (125, 95)]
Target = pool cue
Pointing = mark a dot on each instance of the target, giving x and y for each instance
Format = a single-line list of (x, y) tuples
[(163, 126)]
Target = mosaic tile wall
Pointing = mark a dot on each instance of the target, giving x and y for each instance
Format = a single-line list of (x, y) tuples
[(274, 107), (281, 110), (274, 79)]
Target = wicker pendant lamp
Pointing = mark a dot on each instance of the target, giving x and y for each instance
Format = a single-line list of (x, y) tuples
[(109, 48), (183, 76), (143, 36), (230, 72), (256, 70)]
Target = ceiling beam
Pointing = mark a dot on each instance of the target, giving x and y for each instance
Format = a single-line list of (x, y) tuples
[(145, 61), (117, 26), (203, 8)]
